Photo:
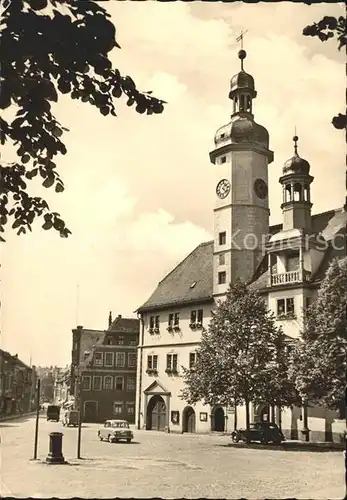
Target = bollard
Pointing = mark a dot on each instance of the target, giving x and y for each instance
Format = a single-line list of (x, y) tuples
[(55, 455)]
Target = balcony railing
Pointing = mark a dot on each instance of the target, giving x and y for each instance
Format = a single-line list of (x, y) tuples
[(290, 277)]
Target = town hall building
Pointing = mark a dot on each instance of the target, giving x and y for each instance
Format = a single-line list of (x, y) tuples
[(285, 263)]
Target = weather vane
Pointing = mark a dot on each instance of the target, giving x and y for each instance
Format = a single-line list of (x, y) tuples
[(240, 37)]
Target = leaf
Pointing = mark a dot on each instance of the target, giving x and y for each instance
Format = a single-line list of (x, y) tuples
[(25, 158), (21, 231), (38, 4), (47, 225), (59, 188), (48, 182)]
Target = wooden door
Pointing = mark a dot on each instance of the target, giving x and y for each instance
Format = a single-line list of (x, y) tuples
[(90, 411), (191, 421), (159, 416)]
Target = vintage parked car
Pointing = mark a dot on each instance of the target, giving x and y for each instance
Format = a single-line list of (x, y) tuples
[(265, 432), (70, 417), (53, 412), (115, 431)]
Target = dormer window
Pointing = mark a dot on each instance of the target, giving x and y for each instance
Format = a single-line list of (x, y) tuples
[(223, 159)]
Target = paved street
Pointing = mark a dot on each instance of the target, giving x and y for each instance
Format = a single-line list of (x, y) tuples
[(162, 465)]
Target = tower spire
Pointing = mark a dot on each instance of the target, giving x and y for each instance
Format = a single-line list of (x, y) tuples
[(242, 53), (295, 139)]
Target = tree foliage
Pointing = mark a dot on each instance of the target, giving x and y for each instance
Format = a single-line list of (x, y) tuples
[(319, 361), (241, 358), (48, 48), (327, 28)]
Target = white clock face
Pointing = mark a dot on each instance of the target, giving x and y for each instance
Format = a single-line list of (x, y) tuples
[(223, 188)]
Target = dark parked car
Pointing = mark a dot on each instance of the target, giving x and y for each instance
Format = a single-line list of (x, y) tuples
[(53, 413), (265, 432)]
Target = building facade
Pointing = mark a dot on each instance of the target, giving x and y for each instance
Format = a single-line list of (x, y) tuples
[(285, 262), (17, 385), (103, 371), (62, 385)]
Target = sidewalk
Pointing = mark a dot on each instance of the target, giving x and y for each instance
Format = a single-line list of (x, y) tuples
[(293, 445), (17, 416)]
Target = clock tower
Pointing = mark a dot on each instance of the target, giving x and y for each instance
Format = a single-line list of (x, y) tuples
[(241, 215)]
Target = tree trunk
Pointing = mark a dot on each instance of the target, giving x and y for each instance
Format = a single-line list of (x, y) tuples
[(279, 422), (247, 421), (235, 416)]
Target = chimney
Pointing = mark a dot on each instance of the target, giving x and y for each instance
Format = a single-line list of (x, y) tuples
[(119, 316), (110, 319)]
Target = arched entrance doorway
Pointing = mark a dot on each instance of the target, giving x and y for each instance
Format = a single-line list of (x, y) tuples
[(156, 414), (90, 411), (218, 419), (188, 419)]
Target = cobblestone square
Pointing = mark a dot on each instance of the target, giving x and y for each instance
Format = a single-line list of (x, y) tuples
[(161, 465)]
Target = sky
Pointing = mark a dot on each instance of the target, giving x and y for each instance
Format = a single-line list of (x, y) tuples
[(140, 189)]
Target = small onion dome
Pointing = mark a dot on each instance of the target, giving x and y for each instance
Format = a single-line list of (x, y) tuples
[(296, 165), (242, 130), (242, 81)]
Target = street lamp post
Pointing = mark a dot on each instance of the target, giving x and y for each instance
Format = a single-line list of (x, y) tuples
[(80, 407), (37, 418)]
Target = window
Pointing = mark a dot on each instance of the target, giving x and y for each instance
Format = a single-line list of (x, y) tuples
[(109, 341), (222, 238), (86, 383), (120, 359), (157, 322), (290, 305), (200, 315), (151, 322), (133, 342), (293, 262), (97, 383), (192, 359), (193, 316), (131, 360), (285, 307), (196, 317), (108, 383), (222, 136), (171, 318), (152, 362), (119, 341), (223, 158), (98, 358), (117, 408), (221, 259), (131, 384), (222, 278), (119, 384), (130, 408), (177, 319), (109, 358), (171, 362)]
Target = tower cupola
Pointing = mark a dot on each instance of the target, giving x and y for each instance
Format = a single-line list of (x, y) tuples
[(242, 129), (242, 88), (296, 202), (296, 165)]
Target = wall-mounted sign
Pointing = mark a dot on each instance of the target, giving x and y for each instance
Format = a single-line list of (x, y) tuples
[(175, 417), (203, 417)]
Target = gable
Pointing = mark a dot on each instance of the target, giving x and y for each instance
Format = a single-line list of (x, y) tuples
[(156, 388)]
